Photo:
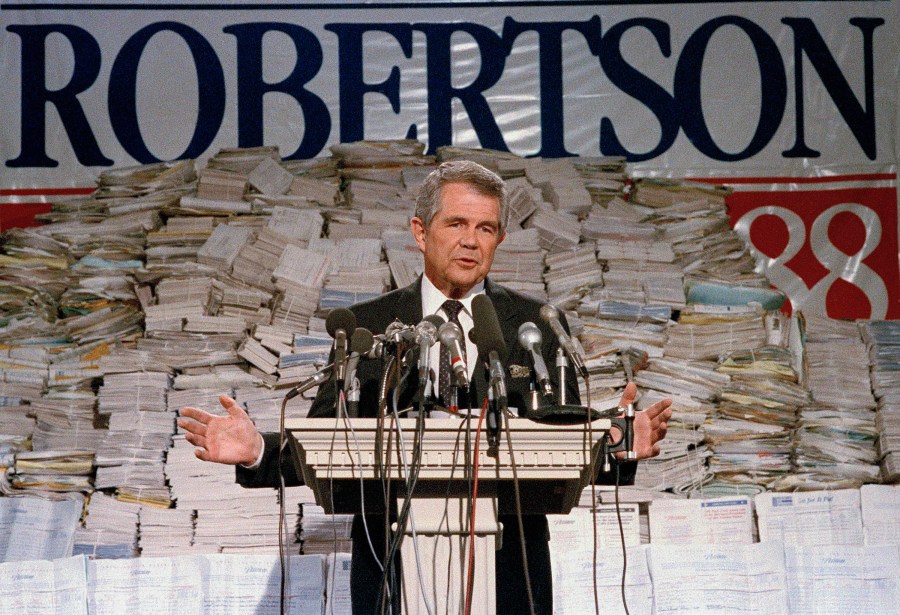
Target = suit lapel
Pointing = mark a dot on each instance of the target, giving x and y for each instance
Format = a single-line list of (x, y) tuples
[(407, 306)]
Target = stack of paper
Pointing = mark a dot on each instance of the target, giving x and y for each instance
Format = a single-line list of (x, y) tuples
[(602, 333), (221, 185), (55, 471), (404, 258), (324, 533), (110, 529), (883, 341), (108, 324), (178, 240), (223, 246), (299, 276), (242, 160), (681, 466), (38, 528), (706, 332), (140, 430), (557, 231), (571, 274), (356, 272), (229, 518), (604, 177), (165, 531), (264, 406), (519, 263), (65, 424)]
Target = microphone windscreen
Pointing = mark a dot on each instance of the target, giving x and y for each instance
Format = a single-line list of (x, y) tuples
[(436, 320), (549, 312), (487, 333), (361, 341), (340, 318)]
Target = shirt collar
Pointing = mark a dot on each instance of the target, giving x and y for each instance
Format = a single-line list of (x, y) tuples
[(433, 299)]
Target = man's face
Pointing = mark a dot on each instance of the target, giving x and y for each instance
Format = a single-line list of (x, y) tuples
[(459, 243)]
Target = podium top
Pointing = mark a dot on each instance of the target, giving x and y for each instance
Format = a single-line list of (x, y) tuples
[(336, 455)]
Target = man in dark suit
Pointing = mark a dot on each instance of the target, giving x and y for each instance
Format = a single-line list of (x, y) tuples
[(461, 216)]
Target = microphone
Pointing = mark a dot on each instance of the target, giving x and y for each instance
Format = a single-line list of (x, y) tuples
[(551, 316), (451, 336), (315, 380), (489, 339), (530, 340), (397, 333), (340, 324), (361, 343), (426, 336)]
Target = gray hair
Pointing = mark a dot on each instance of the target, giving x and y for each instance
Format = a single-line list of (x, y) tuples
[(482, 180)]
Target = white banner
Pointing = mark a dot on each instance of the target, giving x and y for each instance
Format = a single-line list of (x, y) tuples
[(688, 89)]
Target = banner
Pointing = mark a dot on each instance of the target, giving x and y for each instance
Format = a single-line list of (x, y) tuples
[(714, 90)]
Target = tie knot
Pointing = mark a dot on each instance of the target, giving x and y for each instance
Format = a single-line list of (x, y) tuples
[(452, 308)]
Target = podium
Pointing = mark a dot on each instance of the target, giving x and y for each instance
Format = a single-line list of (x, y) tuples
[(340, 462)]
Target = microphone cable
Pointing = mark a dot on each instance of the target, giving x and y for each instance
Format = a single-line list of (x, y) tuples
[(470, 577), (512, 462)]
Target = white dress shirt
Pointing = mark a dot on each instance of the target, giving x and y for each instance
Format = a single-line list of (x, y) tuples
[(432, 300)]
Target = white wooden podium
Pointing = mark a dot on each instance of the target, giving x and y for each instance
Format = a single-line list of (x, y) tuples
[(339, 461)]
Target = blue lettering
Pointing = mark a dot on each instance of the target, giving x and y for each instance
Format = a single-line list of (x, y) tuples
[(36, 96), (861, 121), (441, 93), (551, 71), (639, 86), (123, 91), (352, 88), (252, 88), (772, 82)]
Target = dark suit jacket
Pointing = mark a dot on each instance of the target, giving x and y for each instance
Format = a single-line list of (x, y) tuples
[(405, 305)]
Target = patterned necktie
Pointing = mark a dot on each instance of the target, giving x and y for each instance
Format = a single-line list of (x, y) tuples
[(445, 372)]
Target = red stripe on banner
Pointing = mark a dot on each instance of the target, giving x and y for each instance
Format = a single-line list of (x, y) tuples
[(796, 180), (46, 191), (21, 215)]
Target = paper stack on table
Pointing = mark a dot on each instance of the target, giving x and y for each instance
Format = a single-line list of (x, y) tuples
[(882, 339), (110, 529)]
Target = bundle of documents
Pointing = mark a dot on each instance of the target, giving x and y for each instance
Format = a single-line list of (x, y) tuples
[(140, 430), (110, 529), (324, 533), (264, 406), (229, 518), (65, 424), (557, 231), (706, 332), (883, 341), (394, 153), (681, 465), (570, 274), (604, 177), (601, 333), (165, 531), (221, 185), (837, 364), (519, 263), (116, 322), (36, 528), (223, 246), (50, 470), (404, 258)]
